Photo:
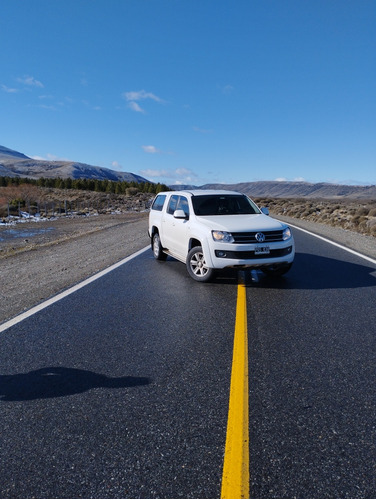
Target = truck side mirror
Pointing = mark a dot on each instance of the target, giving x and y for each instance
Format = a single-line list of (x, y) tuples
[(180, 214), (265, 210)]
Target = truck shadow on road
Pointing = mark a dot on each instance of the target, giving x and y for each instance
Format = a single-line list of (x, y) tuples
[(54, 382), (313, 272), (309, 272)]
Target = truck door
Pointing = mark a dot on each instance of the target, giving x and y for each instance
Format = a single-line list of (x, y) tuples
[(175, 230)]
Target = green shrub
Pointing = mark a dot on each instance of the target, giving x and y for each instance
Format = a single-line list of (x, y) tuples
[(131, 191)]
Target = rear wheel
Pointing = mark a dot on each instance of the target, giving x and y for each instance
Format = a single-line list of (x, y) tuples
[(157, 248), (276, 269), (197, 267)]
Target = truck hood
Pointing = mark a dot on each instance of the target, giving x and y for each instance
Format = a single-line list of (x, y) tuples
[(241, 223)]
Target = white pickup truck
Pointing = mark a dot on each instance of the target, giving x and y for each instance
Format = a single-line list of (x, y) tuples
[(209, 230)]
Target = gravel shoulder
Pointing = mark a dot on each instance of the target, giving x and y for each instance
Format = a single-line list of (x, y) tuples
[(49, 257)]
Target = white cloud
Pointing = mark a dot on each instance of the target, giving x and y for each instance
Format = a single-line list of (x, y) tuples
[(135, 107), (154, 150), (8, 89), (46, 97), (54, 157), (91, 106), (46, 106), (227, 89), (140, 95), (155, 173), (183, 171), (150, 149), (284, 179), (49, 157), (178, 176), (30, 81)]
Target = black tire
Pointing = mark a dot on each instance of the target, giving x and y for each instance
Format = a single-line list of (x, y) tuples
[(276, 269), (157, 247), (196, 266)]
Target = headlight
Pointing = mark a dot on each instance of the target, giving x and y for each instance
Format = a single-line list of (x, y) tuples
[(222, 236), (287, 234)]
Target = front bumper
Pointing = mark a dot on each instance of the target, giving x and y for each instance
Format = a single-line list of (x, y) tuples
[(251, 254), (231, 255)]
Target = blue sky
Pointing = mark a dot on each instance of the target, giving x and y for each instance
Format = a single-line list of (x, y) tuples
[(194, 91)]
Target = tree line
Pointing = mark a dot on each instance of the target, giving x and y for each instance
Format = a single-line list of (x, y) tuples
[(102, 186)]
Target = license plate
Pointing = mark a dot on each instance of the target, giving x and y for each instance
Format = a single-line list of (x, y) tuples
[(262, 250)]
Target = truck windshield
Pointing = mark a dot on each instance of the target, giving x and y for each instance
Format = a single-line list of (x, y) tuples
[(227, 204)]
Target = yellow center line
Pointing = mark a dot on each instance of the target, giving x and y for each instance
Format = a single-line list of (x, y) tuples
[(235, 476)]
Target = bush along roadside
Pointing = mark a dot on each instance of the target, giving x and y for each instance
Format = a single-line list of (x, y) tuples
[(351, 215)]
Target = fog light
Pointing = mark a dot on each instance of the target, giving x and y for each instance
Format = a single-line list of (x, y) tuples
[(221, 253)]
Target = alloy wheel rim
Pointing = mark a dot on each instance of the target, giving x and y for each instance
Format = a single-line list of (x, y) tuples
[(156, 245), (198, 264)]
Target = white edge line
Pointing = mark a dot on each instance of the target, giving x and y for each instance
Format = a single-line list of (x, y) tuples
[(67, 292), (335, 244)]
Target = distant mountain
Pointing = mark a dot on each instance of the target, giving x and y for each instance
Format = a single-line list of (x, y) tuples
[(10, 153), (15, 164), (278, 189)]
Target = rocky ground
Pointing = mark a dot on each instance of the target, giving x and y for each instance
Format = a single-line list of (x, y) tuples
[(41, 259)]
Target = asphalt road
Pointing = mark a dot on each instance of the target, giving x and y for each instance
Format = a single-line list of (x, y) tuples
[(121, 389)]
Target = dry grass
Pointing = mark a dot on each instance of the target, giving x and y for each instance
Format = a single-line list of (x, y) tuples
[(359, 216)]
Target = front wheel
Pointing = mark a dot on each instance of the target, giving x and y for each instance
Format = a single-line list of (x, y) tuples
[(157, 248), (197, 267)]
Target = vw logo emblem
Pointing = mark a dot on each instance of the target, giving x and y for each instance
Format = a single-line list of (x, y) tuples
[(260, 237)]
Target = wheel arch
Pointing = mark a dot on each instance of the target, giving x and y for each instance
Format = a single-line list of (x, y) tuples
[(202, 242), (154, 230), (194, 242)]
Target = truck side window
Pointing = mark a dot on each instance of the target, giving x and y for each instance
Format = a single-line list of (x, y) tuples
[(183, 205), (172, 204), (159, 202)]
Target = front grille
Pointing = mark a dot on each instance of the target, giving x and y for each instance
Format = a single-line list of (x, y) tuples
[(280, 252), (270, 236)]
